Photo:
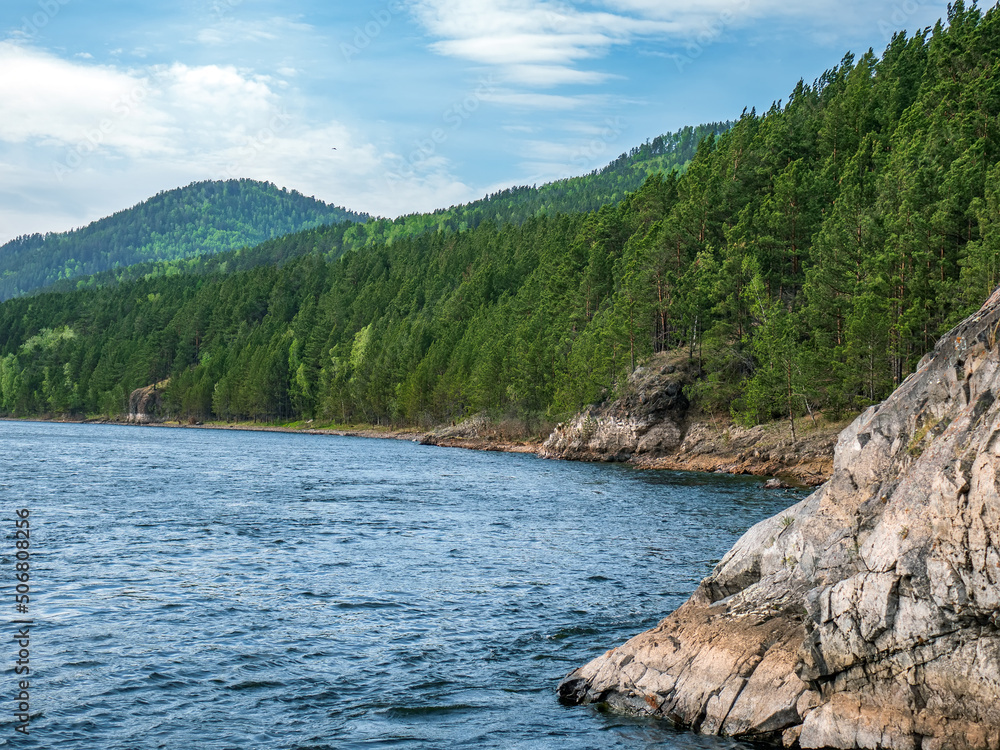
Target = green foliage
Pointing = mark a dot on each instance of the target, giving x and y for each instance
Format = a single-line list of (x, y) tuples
[(806, 258), (606, 187), (203, 218)]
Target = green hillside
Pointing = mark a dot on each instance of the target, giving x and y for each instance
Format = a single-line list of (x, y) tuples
[(807, 259), (201, 219), (607, 186), (602, 187)]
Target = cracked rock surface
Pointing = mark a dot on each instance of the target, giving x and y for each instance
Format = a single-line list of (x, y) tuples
[(866, 616), (647, 420), (145, 405)]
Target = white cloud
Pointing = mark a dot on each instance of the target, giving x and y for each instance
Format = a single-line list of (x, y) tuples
[(553, 75), (84, 140), (546, 42), (230, 30), (541, 42), (690, 16), (535, 42), (233, 32), (551, 102), (45, 97)]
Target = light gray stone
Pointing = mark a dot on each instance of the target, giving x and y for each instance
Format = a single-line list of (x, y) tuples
[(866, 616), (648, 419)]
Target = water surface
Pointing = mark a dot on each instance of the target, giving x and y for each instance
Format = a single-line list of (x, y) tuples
[(214, 589)]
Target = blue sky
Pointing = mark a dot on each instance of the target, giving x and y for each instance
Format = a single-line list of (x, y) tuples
[(384, 106)]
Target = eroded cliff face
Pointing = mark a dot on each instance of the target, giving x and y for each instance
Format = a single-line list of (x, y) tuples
[(866, 616), (145, 405), (650, 427), (647, 420)]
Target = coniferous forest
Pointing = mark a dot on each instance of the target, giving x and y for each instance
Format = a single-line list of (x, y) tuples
[(201, 219), (806, 258), (178, 253)]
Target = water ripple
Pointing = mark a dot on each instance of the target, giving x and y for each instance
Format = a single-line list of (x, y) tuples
[(226, 590)]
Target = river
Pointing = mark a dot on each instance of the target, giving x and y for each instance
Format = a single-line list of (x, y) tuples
[(217, 589)]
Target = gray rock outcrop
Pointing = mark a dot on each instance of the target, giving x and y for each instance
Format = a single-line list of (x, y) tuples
[(866, 616), (647, 420), (145, 405)]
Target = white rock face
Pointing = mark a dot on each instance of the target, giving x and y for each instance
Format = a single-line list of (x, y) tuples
[(867, 615)]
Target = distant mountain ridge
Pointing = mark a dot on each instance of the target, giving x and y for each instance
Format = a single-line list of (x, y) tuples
[(203, 218), (607, 186), (590, 192)]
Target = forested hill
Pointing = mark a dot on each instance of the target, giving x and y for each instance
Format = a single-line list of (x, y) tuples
[(607, 186), (201, 219), (807, 258), (601, 187)]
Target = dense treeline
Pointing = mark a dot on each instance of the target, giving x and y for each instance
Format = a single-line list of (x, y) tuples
[(591, 192), (607, 186), (200, 219), (370, 337), (808, 257)]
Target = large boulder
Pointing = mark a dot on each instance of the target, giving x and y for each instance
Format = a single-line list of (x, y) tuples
[(145, 405), (648, 419), (867, 615)]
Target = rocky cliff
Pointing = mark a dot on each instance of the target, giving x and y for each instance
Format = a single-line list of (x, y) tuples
[(866, 616), (650, 427), (647, 420), (145, 405)]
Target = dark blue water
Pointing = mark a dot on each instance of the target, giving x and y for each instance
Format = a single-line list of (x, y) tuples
[(211, 589)]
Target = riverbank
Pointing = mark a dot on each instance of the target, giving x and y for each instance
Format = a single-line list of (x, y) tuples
[(711, 444), (767, 450), (468, 582)]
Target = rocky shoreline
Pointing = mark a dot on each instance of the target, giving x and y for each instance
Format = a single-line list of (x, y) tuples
[(866, 616), (649, 426), (713, 445)]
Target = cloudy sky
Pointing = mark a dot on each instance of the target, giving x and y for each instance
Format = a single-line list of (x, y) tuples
[(384, 106)]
